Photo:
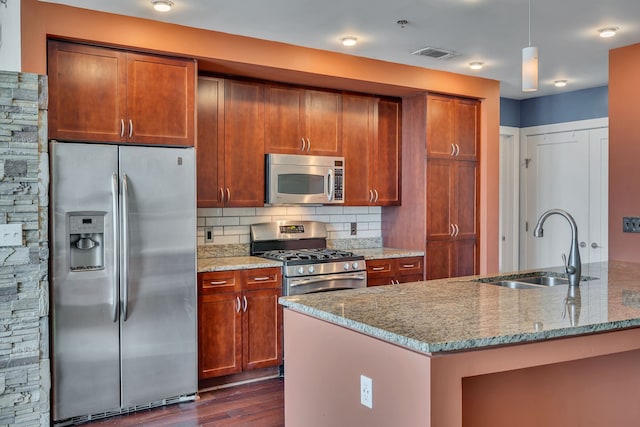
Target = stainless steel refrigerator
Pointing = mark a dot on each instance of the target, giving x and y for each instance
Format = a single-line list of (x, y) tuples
[(123, 283)]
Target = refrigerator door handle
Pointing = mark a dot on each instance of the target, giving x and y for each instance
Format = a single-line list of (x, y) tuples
[(125, 246), (116, 271)]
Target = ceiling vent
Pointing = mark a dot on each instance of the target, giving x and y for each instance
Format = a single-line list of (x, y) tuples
[(436, 53)]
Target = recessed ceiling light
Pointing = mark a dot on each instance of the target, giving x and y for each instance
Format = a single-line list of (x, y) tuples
[(608, 32), (349, 41), (162, 5), (560, 83), (476, 65)]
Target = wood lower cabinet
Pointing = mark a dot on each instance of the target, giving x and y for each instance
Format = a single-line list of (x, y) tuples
[(451, 258), (230, 144), (302, 121), (371, 141), (99, 94), (239, 321), (389, 271)]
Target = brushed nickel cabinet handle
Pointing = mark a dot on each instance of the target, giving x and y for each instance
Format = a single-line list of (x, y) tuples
[(217, 282), (244, 303), (228, 195), (130, 128), (121, 128)]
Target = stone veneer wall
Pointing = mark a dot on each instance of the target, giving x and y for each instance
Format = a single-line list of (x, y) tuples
[(25, 378)]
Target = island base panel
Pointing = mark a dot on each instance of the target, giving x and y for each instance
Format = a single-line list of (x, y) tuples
[(323, 364)]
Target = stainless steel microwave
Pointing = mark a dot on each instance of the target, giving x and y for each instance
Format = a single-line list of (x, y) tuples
[(293, 179)]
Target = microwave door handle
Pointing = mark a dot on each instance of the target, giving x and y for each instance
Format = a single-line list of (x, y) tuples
[(330, 183)]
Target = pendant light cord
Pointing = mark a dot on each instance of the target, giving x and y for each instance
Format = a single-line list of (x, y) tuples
[(529, 23)]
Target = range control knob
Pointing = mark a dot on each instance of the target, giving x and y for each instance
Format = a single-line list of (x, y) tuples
[(300, 270), (311, 269), (355, 265), (346, 266)]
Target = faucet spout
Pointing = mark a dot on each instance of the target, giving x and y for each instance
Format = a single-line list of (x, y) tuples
[(573, 266)]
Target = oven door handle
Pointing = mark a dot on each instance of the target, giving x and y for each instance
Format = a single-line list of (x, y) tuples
[(317, 279)]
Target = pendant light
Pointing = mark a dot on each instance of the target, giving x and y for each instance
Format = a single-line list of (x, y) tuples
[(530, 64)]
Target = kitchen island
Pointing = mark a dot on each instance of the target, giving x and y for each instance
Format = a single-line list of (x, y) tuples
[(458, 352)]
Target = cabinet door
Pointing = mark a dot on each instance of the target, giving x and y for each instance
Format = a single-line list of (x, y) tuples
[(466, 128), (439, 259), (244, 144), (160, 99), (322, 122), (466, 258), (284, 107), (466, 199), (219, 335), (358, 139), (440, 126), (210, 141), (440, 198), (387, 161), (87, 92), (262, 329)]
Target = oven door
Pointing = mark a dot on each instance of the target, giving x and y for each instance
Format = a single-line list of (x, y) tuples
[(323, 283)]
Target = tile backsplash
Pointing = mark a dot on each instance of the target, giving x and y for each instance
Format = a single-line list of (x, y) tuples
[(231, 225)]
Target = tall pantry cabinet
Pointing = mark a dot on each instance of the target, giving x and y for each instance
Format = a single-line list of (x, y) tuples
[(440, 185)]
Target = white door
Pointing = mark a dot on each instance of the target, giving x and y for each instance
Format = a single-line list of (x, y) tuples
[(566, 170)]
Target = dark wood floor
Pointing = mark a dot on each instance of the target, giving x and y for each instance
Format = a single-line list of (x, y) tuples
[(259, 404)]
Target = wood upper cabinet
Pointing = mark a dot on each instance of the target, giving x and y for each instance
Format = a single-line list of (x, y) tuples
[(302, 121), (452, 127), (99, 94), (371, 145), (210, 141), (230, 148), (243, 144), (239, 321)]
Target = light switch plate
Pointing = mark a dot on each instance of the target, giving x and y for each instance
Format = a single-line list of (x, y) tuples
[(11, 234)]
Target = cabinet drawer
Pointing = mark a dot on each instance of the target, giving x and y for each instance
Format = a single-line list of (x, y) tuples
[(263, 278), (219, 281), (409, 266), (379, 267)]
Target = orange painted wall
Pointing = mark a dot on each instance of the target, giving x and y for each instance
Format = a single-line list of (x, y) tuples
[(237, 55), (624, 150)]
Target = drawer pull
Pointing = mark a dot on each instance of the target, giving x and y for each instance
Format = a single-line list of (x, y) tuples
[(261, 278), (377, 268), (217, 282), (408, 265)]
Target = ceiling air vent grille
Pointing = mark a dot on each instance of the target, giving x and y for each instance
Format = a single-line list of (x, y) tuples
[(436, 53)]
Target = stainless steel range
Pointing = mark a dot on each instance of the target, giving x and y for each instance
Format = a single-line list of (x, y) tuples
[(308, 265)]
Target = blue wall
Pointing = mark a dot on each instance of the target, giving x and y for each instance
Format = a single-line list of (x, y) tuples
[(566, 107)]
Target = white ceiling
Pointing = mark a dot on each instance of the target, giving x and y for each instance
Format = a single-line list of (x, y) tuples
[(490, 31)]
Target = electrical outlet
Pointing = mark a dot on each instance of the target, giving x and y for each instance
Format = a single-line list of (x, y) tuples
[(208, 234), (630, 224), (354, 228), (366, 391)]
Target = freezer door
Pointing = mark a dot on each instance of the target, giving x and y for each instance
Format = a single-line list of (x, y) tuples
[(85, 329), (159, 263)]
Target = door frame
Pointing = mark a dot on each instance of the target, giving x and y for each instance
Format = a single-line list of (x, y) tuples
[(525, 232), (509, 212)]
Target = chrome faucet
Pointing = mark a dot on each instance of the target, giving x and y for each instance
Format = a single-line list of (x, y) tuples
[(573, 266)]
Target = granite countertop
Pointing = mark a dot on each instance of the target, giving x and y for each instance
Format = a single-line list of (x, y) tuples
[(380, 253), (234, 263), (462, 314), (222, 263)]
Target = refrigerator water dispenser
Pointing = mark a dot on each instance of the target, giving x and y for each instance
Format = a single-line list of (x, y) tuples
[(86, 238)]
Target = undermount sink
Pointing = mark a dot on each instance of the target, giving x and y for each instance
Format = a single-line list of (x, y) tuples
[(528, 280)]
